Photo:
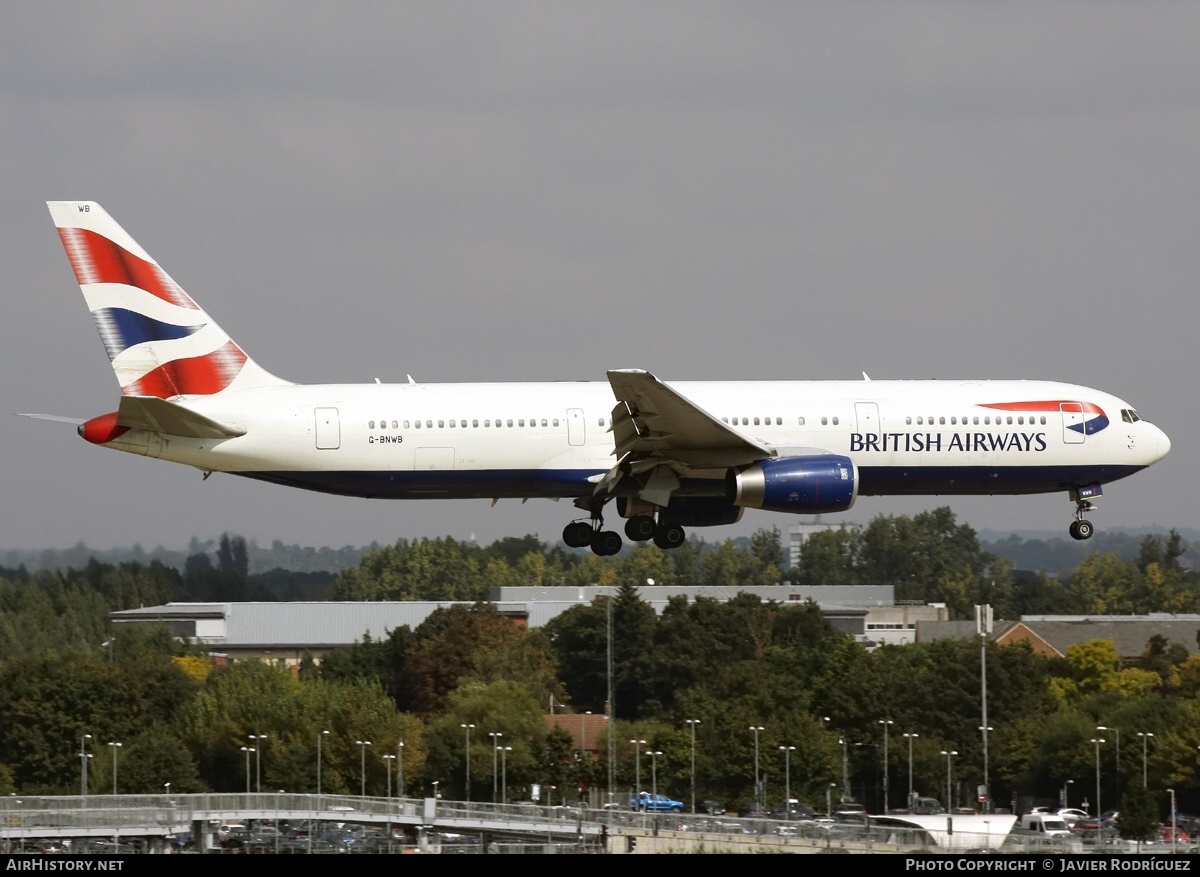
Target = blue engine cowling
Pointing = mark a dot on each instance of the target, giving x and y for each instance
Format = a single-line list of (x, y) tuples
[(800, 485), (700, 511)]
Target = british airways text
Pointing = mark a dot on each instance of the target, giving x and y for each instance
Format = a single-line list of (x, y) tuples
[(936, 442)]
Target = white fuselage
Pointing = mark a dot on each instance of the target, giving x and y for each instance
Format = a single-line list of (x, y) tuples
[(554, 439)]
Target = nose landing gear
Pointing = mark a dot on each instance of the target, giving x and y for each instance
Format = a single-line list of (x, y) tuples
[(1081, 528)]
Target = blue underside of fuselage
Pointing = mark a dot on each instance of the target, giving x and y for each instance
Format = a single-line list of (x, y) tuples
[(556, 483)]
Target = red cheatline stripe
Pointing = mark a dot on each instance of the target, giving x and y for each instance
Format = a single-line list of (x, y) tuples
[(1045, 405), (96, 259), (198, 376)]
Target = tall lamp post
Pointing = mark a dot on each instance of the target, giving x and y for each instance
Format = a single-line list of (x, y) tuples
[(114, 746), (756, 730), (256, 742), (637, 773), (886, 723), (910, 738), (1146, 736), (654, 777), (1066, 785), (467, 754), (949, 753), (247, 750), (495, 735), (83, 757), (504, 750), (319, 736), (1117, 761), (1174, 829), (362, 755), (787, 781), (400, 769), (845, 767), (987, 789), (692, 723), (1099, 825)]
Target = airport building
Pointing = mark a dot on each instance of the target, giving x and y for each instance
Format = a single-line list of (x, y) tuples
[(287, 632)]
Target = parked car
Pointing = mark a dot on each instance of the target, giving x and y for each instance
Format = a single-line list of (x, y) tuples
[(1070, 815), (646, 801), (1180, 836)]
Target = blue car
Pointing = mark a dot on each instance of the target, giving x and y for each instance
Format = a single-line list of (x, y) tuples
[(646, 801)]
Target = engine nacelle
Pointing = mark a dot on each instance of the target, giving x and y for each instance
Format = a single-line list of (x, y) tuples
[(803, 485), (701, 511)]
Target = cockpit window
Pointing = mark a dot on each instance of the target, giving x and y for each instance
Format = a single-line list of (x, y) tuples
[(1129, 415)]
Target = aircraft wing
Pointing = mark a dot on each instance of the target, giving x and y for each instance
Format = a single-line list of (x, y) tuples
[(659, 433), (159, 415)]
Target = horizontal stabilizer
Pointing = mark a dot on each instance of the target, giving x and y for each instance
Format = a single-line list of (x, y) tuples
[(159, 415), (57, 418)]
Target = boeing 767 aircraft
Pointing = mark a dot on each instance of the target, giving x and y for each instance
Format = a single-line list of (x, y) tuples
[(668, 455)]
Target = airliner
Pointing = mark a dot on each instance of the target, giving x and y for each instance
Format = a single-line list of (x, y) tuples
[(667, 454)]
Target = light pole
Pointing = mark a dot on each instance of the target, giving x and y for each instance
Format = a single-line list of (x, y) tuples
[(987, 789), (247, 750), (467, 752), (829, 800), (845, 768), (114, 746), (257, 750), (654, 777), (692, 723), (83, 757), (319, 736), (756, 730), (949, 753), (504, 750), (400, 769), (495, 735), (1066, 785), (910, 738), (1146, 736), (362, 755), (787, 781), (1117, 762), (1099, 824), (886, 802), (1174, 830), (388, 759), (637, 773)]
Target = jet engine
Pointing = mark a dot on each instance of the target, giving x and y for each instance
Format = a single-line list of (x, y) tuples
[(805, 485)]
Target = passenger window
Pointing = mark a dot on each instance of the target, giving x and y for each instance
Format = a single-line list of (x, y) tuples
[(509, 424), (756, 421), (835, 421), (802, 421), (824, 421), (370, 424), (556, 421), (417, 424), (521, 422)]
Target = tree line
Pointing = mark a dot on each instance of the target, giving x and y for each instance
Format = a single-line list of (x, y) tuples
[(725, 666)]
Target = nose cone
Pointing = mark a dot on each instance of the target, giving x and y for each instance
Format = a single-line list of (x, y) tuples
[(1164, 443)]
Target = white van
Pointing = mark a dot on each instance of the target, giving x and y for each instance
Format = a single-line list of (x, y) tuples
[(1046, 823)]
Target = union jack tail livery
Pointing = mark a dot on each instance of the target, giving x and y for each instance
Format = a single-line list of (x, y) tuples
[(159, 341)]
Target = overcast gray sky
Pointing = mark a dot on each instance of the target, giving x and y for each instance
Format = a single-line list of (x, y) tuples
[(512, 191)]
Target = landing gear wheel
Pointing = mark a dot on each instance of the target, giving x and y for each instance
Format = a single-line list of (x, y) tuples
[(640, 528), (577, 534), (669, 536), (1081, 530), (605, 543)]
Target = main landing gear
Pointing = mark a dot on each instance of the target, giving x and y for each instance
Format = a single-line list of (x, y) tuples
[(1081, 528), (639, 528)]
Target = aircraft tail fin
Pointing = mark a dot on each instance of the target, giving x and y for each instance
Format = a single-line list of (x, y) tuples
[(159, 341)]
